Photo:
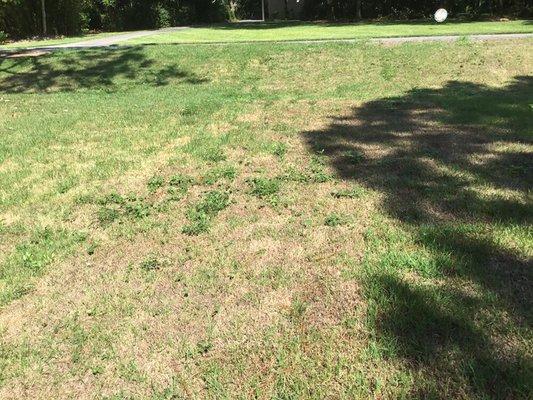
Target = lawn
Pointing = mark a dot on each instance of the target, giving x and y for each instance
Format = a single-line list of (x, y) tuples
[(54, 41), (277, 31), (267, 221)]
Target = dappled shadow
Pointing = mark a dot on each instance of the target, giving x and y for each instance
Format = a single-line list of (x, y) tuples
[(434, 331), (453, 165), (416, 137), (102, 69)]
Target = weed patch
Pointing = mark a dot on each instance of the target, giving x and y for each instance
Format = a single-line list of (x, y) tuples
[(201, 215), (137, 208), (181, 182), (151, 263), (353, 193), (335, 220), (107, 215), (30, 258), (279, 149), (317, 167), (178, 186), (227, 172), (155, 183), (264, 187)]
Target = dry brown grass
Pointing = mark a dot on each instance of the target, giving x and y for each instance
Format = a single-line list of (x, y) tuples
[(303, 292)]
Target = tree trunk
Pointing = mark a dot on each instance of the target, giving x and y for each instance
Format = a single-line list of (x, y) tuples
[(358, 13), (43, 15), (232, 10)]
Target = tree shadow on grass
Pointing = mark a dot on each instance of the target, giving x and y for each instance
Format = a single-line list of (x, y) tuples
[(453, 165), (107, 69), (434, 331)]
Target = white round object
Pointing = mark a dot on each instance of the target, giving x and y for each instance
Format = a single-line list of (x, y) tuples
[(441, 15)]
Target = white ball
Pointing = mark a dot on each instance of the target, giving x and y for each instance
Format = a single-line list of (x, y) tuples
[(441, 15)]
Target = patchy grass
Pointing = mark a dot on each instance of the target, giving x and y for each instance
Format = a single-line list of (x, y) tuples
[(213, 176), (201, 214), (151, 263), (335, 220), (138, 258), (353, 193), (264, 187), (280, 31), (155, 182)]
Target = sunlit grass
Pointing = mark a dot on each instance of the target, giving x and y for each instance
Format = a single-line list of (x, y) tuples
[(322, 31), (267, 221)]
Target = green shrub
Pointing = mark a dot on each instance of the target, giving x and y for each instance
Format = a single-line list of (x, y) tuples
[(163, 19)]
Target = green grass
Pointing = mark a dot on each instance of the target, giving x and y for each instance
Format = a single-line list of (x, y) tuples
[(283, 31), (280, 31), (29, 43), (267, 221), (201, 214)]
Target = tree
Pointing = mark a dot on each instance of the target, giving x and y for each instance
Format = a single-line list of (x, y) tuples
[(358, 12), (43, 16)]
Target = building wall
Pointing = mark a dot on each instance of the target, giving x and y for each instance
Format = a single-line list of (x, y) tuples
[(276, 9)]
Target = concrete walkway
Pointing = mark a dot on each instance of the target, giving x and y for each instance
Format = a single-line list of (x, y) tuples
[(114, 39)]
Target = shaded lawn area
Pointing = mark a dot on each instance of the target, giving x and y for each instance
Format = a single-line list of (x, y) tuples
[(454, 167), (281, 221), (279, 31)]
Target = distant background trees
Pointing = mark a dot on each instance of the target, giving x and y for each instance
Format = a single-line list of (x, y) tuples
[(412, 9), (21, 18)]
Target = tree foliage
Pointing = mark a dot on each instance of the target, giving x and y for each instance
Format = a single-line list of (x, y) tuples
[(20, 18), (411, 9)]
